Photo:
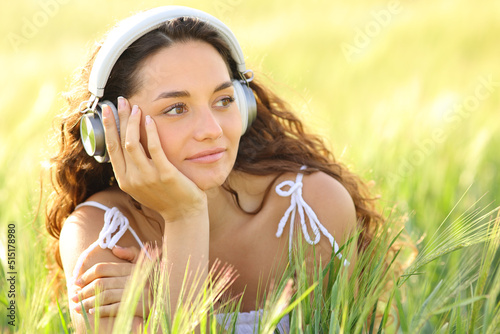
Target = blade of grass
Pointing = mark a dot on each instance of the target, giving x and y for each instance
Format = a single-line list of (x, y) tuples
[(85, 317), (424, 305), (401, 312), (494, 288), (495, 322), (386, 314), (373, 316), (475, 231), (132, 294), (459, 304), (61, 316)]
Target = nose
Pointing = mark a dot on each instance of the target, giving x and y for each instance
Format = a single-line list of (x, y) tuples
[(207, 125)]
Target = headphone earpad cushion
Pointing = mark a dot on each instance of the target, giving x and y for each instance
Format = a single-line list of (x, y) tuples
[(247, 104), (241, 102)]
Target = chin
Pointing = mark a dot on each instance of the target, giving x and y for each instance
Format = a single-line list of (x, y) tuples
[(209, 179), (206, 185)]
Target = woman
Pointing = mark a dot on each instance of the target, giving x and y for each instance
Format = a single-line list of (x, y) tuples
[(183, 173)]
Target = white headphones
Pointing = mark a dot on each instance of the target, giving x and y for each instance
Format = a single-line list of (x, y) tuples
[(119, 39)]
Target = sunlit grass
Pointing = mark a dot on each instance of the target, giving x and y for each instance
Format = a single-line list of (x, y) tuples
[(380, 112), (371, 299)]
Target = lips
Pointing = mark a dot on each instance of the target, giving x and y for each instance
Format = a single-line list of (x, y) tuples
[(208, 156)]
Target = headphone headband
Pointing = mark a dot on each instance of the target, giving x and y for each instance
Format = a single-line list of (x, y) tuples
[(132, 28)]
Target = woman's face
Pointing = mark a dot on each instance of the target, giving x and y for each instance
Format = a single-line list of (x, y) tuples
[(187, 90)]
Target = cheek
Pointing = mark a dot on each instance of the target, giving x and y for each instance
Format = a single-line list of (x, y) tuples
[(171, 144), (167, 140), (232, 126)]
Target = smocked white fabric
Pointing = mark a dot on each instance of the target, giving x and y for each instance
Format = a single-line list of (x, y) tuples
[(297, 203), (248, 322), (114, 223)]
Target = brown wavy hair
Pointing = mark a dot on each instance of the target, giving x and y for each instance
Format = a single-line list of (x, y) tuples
[(275, 144)]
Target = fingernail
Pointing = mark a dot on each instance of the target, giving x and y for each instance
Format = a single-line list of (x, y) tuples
[(119, 247), (91, 311), (78, 308), (79, 282), (75, 298), (121, 102), (148, 119), (135, 109), (105, 110)]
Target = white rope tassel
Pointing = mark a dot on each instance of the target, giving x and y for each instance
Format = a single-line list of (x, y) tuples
[(114, 222), (297, 203)]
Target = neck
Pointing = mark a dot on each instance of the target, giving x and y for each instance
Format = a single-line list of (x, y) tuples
[(222, 206)]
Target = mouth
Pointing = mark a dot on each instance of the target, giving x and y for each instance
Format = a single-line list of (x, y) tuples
[(208, 156)]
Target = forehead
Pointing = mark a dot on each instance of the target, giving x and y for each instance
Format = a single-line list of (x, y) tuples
[(181, 66)]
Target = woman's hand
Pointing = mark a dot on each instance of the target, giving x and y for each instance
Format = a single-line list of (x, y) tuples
[(110, 278), (147, 175)]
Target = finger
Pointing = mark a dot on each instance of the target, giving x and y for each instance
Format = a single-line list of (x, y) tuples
[(123, 114), (100, 284), (134, 152), (112, 310), (107, 297), (154, 147), (104, 269), (113, 141), (108, 302), (130, 254), (106, 310)]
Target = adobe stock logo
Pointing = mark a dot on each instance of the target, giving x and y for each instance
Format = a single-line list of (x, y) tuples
[(365, 35), (224, 7), (462, 110), (31, 25)]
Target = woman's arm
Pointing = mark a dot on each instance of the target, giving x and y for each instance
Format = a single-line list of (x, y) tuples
[(112, 279), (79, 231)]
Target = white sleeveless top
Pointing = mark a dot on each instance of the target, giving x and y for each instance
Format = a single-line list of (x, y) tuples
[(116, 224)]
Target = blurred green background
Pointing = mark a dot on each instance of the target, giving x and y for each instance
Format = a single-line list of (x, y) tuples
[(405, 92)]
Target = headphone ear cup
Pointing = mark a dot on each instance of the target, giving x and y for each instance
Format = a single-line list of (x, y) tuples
[(246, 104), (92, 132)]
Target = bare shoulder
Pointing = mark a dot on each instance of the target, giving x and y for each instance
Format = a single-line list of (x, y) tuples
[(91, 218), (82, 228), (327, 197), (331, 202)]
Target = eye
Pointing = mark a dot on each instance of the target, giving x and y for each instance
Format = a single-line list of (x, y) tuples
[(176, 109), (224, 102)]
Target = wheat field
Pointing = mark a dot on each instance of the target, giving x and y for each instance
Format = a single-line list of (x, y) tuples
[(406, 93)]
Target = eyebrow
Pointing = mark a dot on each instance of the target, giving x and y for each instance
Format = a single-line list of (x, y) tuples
[(184, 93)]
